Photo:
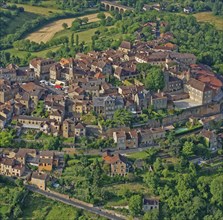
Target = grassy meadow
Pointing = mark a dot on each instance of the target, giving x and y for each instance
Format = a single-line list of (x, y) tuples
[(217, 21)]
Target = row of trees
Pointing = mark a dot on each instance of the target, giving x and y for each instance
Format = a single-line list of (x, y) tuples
[(31, 46)]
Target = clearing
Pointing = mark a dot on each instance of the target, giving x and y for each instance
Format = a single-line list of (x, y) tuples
[(217, 21), (47, 32), (39, 10), (24, 54)]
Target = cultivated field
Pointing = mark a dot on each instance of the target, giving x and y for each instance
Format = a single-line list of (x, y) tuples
[(209, 17), (47, 32)]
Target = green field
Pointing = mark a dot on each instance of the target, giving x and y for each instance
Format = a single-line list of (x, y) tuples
[(217, 21), (23, 54), (83, 36), (138, 155), (39, 10)]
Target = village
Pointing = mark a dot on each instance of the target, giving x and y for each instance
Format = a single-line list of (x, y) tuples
[(103, 96)]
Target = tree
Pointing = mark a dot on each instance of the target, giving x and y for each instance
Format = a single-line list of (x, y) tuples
[(188, 148), (6, 138), (77, 40), (101, 16), (53, 143), (151, 215), (85, 20), (154, 79), (75, 26), (123, 117), (72, 40), (64, 25), (216, 189), (135, 205)]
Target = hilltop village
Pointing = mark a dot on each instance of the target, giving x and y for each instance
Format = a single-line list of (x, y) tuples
[(107, 101)]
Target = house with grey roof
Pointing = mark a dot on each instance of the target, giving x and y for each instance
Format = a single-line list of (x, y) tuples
[(106, 106)]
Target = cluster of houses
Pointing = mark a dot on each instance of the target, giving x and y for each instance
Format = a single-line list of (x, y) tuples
[(74, 87), (30, 164), (87, 84)]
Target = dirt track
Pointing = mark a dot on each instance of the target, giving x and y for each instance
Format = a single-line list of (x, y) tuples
[(47, 32)]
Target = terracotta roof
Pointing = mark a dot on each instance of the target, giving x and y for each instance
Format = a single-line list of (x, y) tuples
[(113, 159), (35, 61), (31, 87), (99, 76)]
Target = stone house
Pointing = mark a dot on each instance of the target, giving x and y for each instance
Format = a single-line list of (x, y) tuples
[(210, 137), (57, 115), (80, 130), (119, 164), (10, 167), (6, 93), (150, 204), (102, 66), (46, 161), (126, 139), (149, 136), (35, 91), (125, 73), (39, 179), (125, 47), (23, 155), (31, 122), (55, 72), (159, 100), (25, 100), (106, 106), (198, 91), (41, 67), (5, 116), (142, 99), (81, 106), (68, 128)]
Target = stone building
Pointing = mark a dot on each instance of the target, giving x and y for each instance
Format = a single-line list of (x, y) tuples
[(198, 91), (39, 179)]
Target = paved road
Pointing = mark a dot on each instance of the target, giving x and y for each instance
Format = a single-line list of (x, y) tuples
[(94, 210)]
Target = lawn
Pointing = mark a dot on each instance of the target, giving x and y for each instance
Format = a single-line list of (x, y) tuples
[(24, 54), (83, 36), (39, 10), (138, 155), (209, 17)]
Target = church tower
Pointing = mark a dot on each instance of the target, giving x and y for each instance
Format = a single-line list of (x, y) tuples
[(71, 69)]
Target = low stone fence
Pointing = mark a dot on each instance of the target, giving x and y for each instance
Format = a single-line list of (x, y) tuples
[(70, 198)]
